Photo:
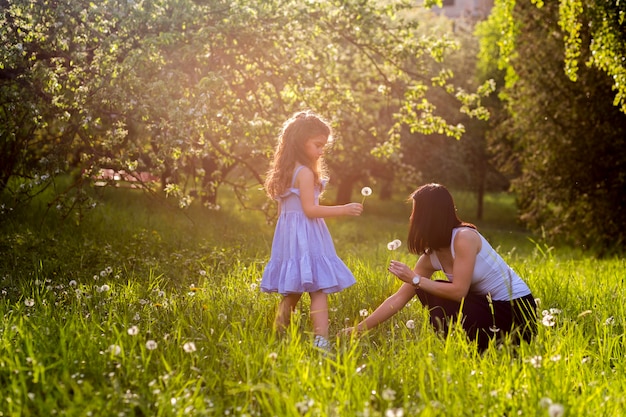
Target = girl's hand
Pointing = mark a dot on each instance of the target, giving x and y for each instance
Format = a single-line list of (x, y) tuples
[(402, 271), (353, 209)]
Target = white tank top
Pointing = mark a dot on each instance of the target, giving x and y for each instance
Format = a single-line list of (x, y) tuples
[(492, 275)]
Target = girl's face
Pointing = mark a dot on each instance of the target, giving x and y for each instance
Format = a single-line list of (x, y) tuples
[(314, 147)]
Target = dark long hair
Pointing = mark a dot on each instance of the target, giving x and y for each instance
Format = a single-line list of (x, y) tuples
[(432, 220)]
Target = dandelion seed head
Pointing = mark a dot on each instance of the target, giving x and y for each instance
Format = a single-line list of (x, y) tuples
[(545, 402), (394, 244), (151, 345), (394, 412), (114, 349), (536, 361), (410, 324), (363, 313), (272, 356), (388, 394), (133, 330), (73, 283), (189, 347), (556, 410), (366, 191), (548, 320), (29, 302)]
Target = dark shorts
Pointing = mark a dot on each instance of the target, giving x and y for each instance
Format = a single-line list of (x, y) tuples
[(517, 317)]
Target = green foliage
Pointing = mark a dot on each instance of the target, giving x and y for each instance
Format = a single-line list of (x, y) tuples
[(195, 92), (564, 139), (141, 312), (592, 32)]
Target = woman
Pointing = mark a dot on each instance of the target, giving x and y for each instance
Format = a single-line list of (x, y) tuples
[(493, 299)]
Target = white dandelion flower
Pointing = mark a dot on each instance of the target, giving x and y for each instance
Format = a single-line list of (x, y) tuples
[(536, 361), (114, 349), (189, 347), (394, 412), (548, 320), (556, 410), (388, 394), (365, 192), (394, 244)]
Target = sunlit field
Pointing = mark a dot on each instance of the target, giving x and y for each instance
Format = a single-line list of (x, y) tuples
[(140, 309)]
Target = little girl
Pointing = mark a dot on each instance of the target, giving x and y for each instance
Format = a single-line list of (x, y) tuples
[(303, 255)]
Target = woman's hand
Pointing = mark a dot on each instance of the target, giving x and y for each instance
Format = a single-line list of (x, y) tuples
[(347, 331), (402, 271)]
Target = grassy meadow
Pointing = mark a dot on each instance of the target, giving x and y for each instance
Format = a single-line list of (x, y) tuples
[(141, 309)]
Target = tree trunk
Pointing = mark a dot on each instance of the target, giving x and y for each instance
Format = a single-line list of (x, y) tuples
[(344, 192)]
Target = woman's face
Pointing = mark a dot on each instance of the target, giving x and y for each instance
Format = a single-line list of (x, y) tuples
[(314, 147)]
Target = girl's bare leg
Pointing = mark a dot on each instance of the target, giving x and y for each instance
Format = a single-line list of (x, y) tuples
[(319, 313), (285, 310)]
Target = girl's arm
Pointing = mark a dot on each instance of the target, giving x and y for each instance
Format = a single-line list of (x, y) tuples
[(466, 246), (305, 182)]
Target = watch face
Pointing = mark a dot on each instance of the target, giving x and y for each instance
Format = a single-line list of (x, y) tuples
[(416, 280)]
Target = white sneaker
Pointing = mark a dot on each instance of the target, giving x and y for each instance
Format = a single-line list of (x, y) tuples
[(322, 343)]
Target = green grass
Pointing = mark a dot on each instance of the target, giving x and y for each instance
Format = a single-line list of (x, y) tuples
[(82, 302)]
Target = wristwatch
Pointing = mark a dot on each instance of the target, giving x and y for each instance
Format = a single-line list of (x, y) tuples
[(416, 281)]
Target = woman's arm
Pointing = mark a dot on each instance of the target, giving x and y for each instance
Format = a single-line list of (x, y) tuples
[(388, 308), (306, 183), (466, 247)]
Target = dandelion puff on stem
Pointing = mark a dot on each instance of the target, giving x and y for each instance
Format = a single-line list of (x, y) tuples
[(365, 192)]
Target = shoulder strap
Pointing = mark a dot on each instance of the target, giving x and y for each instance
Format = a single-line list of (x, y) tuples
[(295, 174)]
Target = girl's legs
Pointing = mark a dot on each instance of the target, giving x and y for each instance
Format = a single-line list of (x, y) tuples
[(319, 313), (285, 310)]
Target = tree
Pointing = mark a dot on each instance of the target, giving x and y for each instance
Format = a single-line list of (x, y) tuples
[(568, 136), (195, 92)]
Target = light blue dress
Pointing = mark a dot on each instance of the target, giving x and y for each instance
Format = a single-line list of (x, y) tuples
[(303, 255)]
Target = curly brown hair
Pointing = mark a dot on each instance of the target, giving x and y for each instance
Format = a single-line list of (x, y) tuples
[(296, 131)]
